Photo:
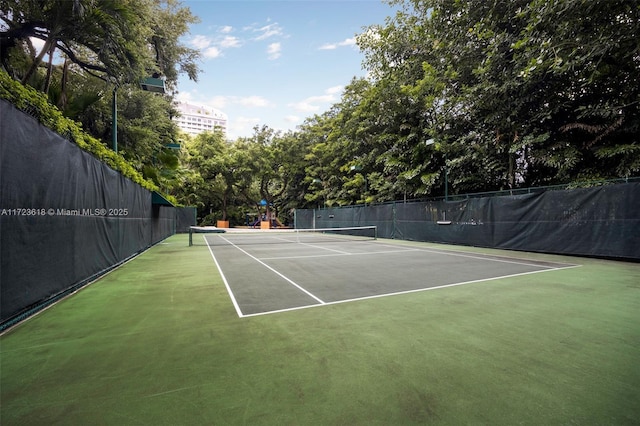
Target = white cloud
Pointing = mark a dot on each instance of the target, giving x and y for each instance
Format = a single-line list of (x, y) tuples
[(270, 30), (311, 103), (183, 97), (241, 126), (333, 46), (315, 103), (221, 102), (194, 98), (274, 50), (303, 106), (252, 101), (335, 89), (218, 102), (247, 120), (229, 41), (211, 52), (200, 42), (212, 47), (291, 118)]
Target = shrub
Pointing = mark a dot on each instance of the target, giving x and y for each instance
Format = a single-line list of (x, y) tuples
[(36, 104)]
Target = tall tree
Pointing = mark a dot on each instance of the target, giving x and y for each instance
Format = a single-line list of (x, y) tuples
[(208, 156), (275, 157), (517, 93), (120, 41), (105, 44)]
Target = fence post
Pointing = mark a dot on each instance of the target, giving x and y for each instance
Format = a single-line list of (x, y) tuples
[(393, 221)]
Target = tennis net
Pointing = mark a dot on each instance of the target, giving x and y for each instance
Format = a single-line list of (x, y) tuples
[(216, 237)]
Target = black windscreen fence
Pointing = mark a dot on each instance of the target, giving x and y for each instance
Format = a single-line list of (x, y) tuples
[(185, 217), (602, 221), (65, 217)]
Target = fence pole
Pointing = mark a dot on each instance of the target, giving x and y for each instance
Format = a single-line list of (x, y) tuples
[(393, 221)]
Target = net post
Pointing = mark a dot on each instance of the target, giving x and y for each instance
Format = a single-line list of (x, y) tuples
[(375, 232), (190, 237)]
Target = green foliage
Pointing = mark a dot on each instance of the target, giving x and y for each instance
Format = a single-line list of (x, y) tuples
[(520, 93), (473, 95), (120, 41), (36, 104), (104, 44)]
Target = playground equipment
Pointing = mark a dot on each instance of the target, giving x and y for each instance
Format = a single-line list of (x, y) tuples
[(267, 220), (265, 223)]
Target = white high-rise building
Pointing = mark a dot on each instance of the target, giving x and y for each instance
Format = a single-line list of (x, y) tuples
[(195, 119)]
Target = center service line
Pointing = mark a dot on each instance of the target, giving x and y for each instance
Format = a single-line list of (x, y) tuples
[(277, 273), (311, 245)]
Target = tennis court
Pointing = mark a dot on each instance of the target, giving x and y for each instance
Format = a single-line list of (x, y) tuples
[(158, 341), (269, 271)]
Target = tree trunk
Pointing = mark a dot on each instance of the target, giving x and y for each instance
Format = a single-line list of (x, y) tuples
[(47, 80), (62, 102), (37, 61)]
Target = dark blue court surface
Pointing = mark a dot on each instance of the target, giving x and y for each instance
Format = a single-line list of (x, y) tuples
[(284, 275)]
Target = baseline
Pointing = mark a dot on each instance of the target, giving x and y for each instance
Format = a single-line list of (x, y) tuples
[(399, 293)]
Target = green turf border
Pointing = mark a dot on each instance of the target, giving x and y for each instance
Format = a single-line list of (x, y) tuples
[(157, 341)]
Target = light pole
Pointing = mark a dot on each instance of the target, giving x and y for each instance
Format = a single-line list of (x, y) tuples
[(359, 168), (446, 179), (324, 195), (151, 84), (446, 171), (114, 121)]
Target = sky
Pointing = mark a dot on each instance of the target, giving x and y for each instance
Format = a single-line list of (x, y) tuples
[(275, 63)]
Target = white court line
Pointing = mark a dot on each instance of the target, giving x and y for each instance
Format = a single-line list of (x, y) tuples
[(417, 290), (310, 245), (224, 279), (490, 258), (276, 272), (326, 248), (287, 240), (525, 262), (336, 255), (487, 257)]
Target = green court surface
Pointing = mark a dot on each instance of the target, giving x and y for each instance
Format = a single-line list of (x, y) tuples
[(161, 341)]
